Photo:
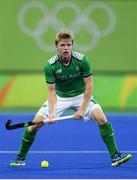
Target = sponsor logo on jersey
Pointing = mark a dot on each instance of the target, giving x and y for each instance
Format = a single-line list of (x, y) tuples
[(59, 71)]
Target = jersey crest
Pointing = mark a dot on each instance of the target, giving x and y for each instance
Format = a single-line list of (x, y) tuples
[(53, 59), (78, 55)]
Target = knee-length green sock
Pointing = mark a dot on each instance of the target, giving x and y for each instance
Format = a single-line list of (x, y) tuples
[(107, 134), (27, 140)]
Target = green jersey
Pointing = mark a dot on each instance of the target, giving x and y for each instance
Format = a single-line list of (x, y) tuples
[(69, 80)]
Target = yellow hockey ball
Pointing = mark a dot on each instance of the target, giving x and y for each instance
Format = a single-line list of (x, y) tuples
[(44, 164)]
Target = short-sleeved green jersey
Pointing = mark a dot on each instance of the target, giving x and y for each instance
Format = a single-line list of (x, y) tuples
[(69, 80)]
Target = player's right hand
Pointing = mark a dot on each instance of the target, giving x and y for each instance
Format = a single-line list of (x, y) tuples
[(51, 119)]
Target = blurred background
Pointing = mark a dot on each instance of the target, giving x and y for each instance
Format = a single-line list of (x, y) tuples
[(105, 31)]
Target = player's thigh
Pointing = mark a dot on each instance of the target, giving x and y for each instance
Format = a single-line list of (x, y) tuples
[(61, 106), (43, 112), (95, 111)]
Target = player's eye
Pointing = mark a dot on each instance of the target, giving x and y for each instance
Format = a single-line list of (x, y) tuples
[(62, 45)]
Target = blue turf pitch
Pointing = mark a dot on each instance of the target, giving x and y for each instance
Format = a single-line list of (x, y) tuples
[(74, 149)]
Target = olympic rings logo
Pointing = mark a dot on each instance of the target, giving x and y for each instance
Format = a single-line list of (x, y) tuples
[(50, 19)]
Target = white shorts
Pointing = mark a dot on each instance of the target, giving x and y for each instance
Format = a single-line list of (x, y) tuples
[(64, 104)]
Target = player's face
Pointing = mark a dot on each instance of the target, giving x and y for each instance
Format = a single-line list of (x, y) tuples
[(64, 48)]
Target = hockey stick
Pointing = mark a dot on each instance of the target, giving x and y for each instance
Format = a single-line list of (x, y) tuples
[(10, 126)]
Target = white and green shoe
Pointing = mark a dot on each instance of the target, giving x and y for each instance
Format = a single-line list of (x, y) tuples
[(119, 159), (19, 161)]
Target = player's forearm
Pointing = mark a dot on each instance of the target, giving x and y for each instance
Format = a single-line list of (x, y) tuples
[(52, 99), (88, 92), (87, 96), (52, 102)]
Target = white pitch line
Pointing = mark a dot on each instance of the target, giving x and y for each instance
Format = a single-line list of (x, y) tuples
[(65, 152)]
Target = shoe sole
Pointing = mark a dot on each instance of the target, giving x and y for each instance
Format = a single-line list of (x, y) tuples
[(15, 164), (121, 161)]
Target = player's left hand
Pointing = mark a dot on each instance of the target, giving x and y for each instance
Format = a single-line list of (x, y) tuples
[(79, 113)]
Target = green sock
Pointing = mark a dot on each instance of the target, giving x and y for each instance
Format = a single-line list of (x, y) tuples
[(107, 134), (27, 140)]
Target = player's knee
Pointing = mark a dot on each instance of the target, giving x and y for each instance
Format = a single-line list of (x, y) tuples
[(101, 119), (99, 116), (35, 128)]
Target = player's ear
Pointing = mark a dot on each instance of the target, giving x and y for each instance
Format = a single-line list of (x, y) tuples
[(72, 41), (56, 43)]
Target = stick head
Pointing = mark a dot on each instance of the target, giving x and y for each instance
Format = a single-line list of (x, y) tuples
[(7, 125)]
